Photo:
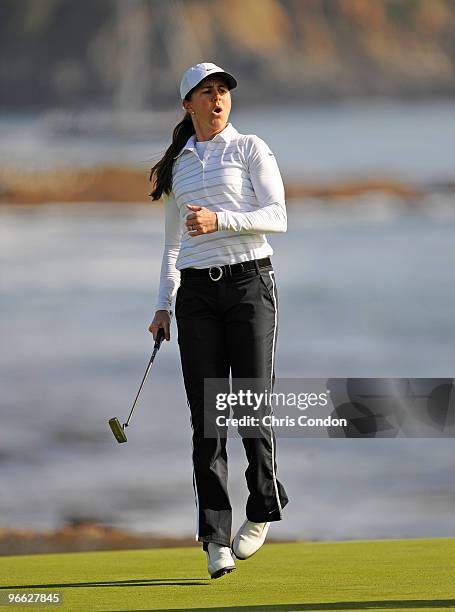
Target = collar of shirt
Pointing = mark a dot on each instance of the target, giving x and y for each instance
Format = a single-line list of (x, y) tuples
[(225, 135)]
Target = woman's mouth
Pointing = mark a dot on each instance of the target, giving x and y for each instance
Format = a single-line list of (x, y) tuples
[(217, 110)]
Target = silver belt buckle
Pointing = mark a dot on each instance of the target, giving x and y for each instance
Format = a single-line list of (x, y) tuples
[(218, 277)]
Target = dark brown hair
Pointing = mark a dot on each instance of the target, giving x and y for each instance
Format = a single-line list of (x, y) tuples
[(161, 172)]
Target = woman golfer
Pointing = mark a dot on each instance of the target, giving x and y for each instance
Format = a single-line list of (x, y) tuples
[(222, 192)]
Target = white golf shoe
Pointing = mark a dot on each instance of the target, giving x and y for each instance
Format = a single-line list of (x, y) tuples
[(219, 560), (249, 539)]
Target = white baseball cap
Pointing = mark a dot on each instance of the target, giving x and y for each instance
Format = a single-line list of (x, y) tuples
[(194, 75)]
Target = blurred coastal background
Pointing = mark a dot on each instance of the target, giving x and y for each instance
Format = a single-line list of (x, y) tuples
[(357, 101)]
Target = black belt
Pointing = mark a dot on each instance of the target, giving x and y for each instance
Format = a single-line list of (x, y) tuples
[(217, 272)]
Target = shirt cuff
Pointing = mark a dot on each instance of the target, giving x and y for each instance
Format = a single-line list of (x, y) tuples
[(163, 307), (222, 221)]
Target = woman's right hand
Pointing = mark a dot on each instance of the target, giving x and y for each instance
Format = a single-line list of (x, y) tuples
[(162, 319)]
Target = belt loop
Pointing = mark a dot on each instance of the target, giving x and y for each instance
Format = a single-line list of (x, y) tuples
[(256, 265)]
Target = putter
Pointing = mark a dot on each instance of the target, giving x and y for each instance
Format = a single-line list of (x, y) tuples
[(117, 429)]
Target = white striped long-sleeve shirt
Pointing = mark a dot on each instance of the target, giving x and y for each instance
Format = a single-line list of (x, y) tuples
[(238, 178)]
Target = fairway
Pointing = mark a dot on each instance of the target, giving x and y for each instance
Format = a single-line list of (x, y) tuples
[(358, 575)]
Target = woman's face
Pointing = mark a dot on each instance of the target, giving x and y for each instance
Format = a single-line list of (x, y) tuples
[(211, 103)]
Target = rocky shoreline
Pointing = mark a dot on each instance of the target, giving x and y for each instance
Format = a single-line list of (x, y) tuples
[(131, 54), (82, 536), (119, 184)]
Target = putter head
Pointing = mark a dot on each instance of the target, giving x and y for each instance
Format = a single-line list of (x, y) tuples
[(117, 430)]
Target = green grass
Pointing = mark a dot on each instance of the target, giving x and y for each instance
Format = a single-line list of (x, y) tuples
[(360, 575)]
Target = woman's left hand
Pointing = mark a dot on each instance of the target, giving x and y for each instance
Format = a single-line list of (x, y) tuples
[(201, 220)]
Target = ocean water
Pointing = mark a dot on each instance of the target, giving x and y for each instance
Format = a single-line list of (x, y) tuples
[(314, 144), (365, 289)]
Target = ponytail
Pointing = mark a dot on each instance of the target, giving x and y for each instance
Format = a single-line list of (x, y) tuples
[(161, 172)]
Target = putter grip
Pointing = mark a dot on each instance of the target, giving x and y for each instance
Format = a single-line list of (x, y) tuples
[(159, 338)]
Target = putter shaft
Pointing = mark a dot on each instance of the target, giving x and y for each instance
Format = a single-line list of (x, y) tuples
[(117, 429), (158, 341)]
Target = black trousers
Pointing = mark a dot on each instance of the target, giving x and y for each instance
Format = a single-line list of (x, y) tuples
[(228, 327)]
